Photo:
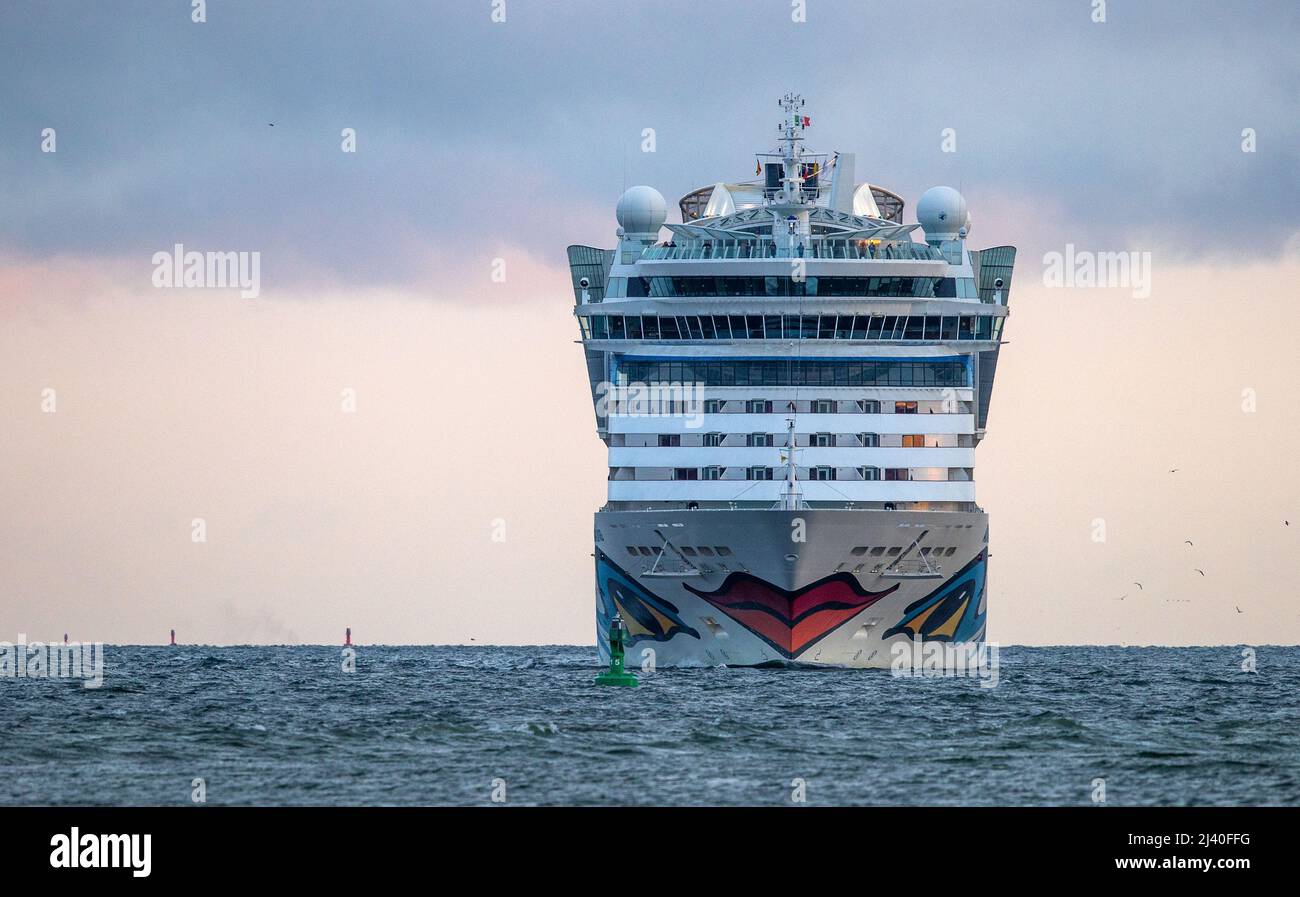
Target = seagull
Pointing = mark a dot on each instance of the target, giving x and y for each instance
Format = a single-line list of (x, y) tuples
[(1199, 570), (1175, 470), (1188, 541), (1122, 597), (1139, 585), (1238, 609), (270, 124)]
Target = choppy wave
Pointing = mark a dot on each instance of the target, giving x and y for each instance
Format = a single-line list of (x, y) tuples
[(443, 725)]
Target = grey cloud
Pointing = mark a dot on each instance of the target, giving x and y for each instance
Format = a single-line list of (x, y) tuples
[(474, 134)]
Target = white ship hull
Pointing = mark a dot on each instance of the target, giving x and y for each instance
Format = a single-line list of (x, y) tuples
[(836, 588)]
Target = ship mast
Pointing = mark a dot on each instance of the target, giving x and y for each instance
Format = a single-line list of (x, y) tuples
[(789, 207), (791, 500)]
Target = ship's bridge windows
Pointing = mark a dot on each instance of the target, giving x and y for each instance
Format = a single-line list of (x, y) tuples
[(804, 372), (782, 287), (790, 327)]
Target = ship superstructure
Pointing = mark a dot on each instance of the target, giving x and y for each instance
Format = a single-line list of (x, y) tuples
[(792, 390)]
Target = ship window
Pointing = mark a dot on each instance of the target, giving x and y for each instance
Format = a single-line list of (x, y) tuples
[(877, 552), (894, 552), (915, 328), (712, 406), (705, 551), (966, 327), (950, 552), (755, 325), (772, 326), (869, 440), (759, 406), (668, 328), (823, 473), (905, 408), (686, 473), (759, 440), (913, 441), (667, 440), (950, 327), (869, 473), (739, 330), (898, 473), (823, 440), (599, 327), (650, 326), (844, 327), (712, 440), (859, 551), (713, 473), (722, 550), (759, 473), (869, 406), (688, 551), (706, 327), (932, 326), (631, 549), (823, 406), (646, 551), (860, 326)]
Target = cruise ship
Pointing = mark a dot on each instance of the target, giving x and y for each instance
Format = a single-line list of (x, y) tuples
[(791, 388)]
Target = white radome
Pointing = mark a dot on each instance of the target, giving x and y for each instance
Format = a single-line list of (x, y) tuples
[(641, 210), (943, 214)]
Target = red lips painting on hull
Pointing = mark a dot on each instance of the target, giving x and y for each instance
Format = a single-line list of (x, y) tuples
[(791, 621)]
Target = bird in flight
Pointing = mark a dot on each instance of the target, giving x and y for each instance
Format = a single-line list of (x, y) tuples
[(1139, 585), (1175, 470), (1199, 570), (1188, 541), (1238, 609)]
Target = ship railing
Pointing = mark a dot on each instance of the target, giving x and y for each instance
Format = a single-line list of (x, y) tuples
[(824, 248)]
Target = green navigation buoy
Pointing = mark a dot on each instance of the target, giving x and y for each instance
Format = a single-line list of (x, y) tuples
[(616, 674)]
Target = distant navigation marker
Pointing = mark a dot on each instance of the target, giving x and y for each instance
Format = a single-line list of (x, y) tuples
[(65, 638), (347, 638), (173, 638)]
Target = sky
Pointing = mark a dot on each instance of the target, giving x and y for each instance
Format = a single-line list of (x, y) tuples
[(479, 141)]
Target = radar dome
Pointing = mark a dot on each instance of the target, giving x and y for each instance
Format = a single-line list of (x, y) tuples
[(943, 214), (641, 210)]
